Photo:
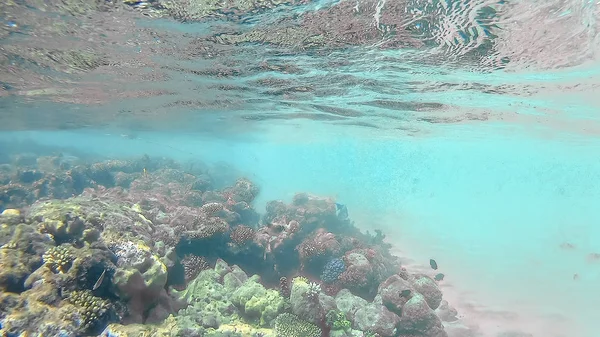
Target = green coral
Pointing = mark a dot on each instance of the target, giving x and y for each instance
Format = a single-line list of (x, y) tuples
[(289, 325), (59, 258), (256, 301), (267, 306), (337, 320), (208, 300), (92, 308)]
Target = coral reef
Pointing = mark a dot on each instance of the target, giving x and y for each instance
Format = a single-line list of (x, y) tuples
[(58, 258), (143, 247), (290, 325), (93, 309), (193, 265), (332, 270)]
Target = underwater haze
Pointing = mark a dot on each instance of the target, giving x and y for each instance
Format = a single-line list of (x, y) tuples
[(467, 133)]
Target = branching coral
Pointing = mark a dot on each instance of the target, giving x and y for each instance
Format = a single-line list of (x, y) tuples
[(284, 287), (314, 289), (193, 265), (206, 228), (289, 325), (242, 234), (213, 226), (212, 208), (59, 258), (92, 309)]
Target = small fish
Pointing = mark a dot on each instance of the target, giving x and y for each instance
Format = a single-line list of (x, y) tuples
[(567, 246), (439, 277), (433, 264), (405, 293), (593, 257), (99, 282), (575, 277), (145, 173), (341, 211)]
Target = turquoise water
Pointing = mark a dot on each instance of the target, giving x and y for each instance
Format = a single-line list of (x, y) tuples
[(493, 208), (493, 172)]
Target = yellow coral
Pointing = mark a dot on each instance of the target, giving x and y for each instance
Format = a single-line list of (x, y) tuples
[(300, 280), (11, 212), (137, 208), (92, 308), (245, 329), (58, 258)]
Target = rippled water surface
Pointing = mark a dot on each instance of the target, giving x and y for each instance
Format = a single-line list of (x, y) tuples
[(468, 131)]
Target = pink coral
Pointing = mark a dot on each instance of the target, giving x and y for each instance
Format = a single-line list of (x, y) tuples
[(321, 243)]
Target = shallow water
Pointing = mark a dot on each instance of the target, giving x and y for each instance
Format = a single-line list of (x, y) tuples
[(493, 210), (491, 170)]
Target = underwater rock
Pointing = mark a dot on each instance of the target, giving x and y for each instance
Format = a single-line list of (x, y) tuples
[(150, 277), (20, 255), (359, 272), (376, 318), (429, 289), (307, 301), (308, 210), (390, 291), (418, 319), (348, 303), (124, 180), (234, 279), (320, 244), (202, 183), (446, 312), (243, 191)]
